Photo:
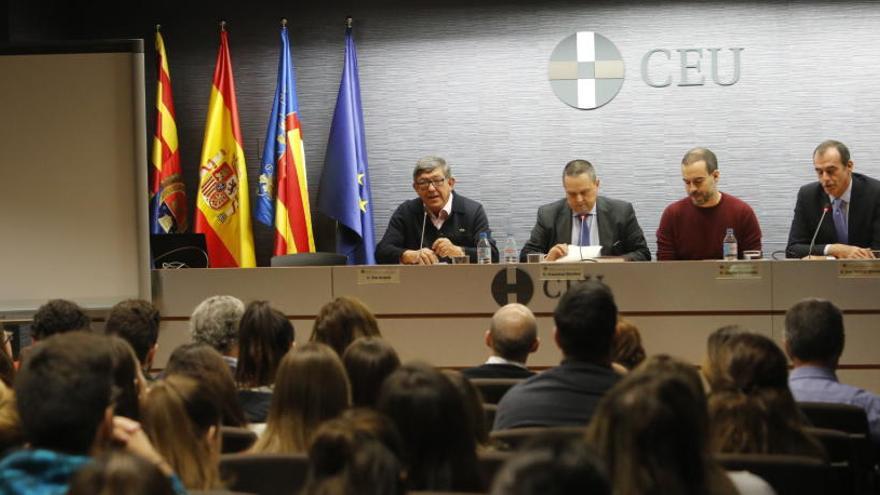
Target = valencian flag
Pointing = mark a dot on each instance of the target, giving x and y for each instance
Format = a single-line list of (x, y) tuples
[(167, 194), (223, 204), (283, 195), (344, 192)]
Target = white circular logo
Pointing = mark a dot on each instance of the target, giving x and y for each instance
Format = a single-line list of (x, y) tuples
[(586, 70)]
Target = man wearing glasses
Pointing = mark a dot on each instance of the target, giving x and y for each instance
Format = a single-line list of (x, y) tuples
[(437, 225)]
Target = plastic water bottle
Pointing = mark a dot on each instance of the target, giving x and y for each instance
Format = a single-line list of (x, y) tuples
[(510, 254), (729, 247), (484, 249)]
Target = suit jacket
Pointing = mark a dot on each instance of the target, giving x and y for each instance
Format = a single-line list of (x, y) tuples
[(619, 231), (499, 370), (463, 227), (863, 222)]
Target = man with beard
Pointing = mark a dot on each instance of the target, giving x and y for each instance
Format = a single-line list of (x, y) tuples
[(693, 228)]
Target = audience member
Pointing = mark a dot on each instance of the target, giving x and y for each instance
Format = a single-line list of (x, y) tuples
[(63, 396), (627, 349), (651, 430), (203, 363), (473, 403), (7, 362), (814, 340), (715, 346), (11, 435), (58, 316), (215, 322), (127, 378), (751, 408), (136, 321), (265, 336), (512, 336), (368, 361), (557, 466), (667, 365), (120, 473), (357, 453), (568, 394), (183, 421), (439, 446), (311, 387), (341, 321)]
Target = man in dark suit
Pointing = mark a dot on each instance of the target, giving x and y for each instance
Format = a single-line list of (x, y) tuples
[(851, 227), (436, 225), (584, 218), (512, 336)]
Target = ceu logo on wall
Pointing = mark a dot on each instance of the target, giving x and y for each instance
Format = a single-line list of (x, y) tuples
[(586, 70)]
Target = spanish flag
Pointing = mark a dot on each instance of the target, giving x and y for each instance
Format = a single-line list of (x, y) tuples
[(223, 204), (283, 197), (167, 194)]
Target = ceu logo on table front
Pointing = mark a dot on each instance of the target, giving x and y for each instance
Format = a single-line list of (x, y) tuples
[(586, 70)]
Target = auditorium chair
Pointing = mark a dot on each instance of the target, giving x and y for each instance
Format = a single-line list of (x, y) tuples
[(489, 410), (853, 421), (492, 389), (787, 474), (842, 457), (264, 474), (309, 259), (515, 438), (234, 439), (490, 462)]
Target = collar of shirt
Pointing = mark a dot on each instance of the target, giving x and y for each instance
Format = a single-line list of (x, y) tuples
[(501, 360), (812, 372), (441, 217)]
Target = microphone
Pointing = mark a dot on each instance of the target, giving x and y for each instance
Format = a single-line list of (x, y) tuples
[(819, 226), (424, 220)]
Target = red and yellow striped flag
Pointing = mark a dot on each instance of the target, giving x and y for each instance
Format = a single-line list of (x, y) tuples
[(167, 194), (223, 204)]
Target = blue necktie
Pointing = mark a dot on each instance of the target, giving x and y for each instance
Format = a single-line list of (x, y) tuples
[(585, 230), (839, 216)]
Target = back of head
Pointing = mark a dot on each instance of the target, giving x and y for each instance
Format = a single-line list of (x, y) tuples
[(627, 347), (341, 321), (473, 403), (514, 331), (136, 321), (127, 378), (203, 363), (666, 365), (651, 431), (58, 316), (182, 420), (814, 332), (568, 467), (716, 348), (63, 390), (120, 473), (311, 387), (368, 361), (11, 436), (585, 319), (215, 322), (265, 335), (349, 455), (750, 362), (439, 446)]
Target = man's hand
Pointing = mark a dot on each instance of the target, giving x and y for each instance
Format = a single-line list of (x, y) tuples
[(422, 256), (556, 252), (446, 249), (845, 251)]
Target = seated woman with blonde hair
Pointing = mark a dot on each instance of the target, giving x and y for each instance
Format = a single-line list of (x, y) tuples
[(343, 320), (182, 419), (310, 387)]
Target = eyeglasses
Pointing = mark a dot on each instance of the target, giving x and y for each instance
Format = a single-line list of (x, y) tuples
[(424, 184)]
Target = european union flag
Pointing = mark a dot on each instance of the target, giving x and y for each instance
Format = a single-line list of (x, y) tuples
[(344, 193)]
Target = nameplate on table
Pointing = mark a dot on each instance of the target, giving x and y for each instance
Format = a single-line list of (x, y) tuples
[(551, 271), (859, 269), (737, 270), (372, 276)]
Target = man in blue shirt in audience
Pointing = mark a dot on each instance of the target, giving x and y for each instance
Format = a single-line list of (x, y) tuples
[(814, 341), (568, 394)]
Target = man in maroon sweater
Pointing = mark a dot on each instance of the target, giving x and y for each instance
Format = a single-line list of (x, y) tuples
[(693, 228)]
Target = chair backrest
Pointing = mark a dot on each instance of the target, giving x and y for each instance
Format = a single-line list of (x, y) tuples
[(234, 439), (309, 259), (842, 417), (490, 462), (787, 474), (489, 410), (515, 438), (842, 456), (493, 389), (264, 474)]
